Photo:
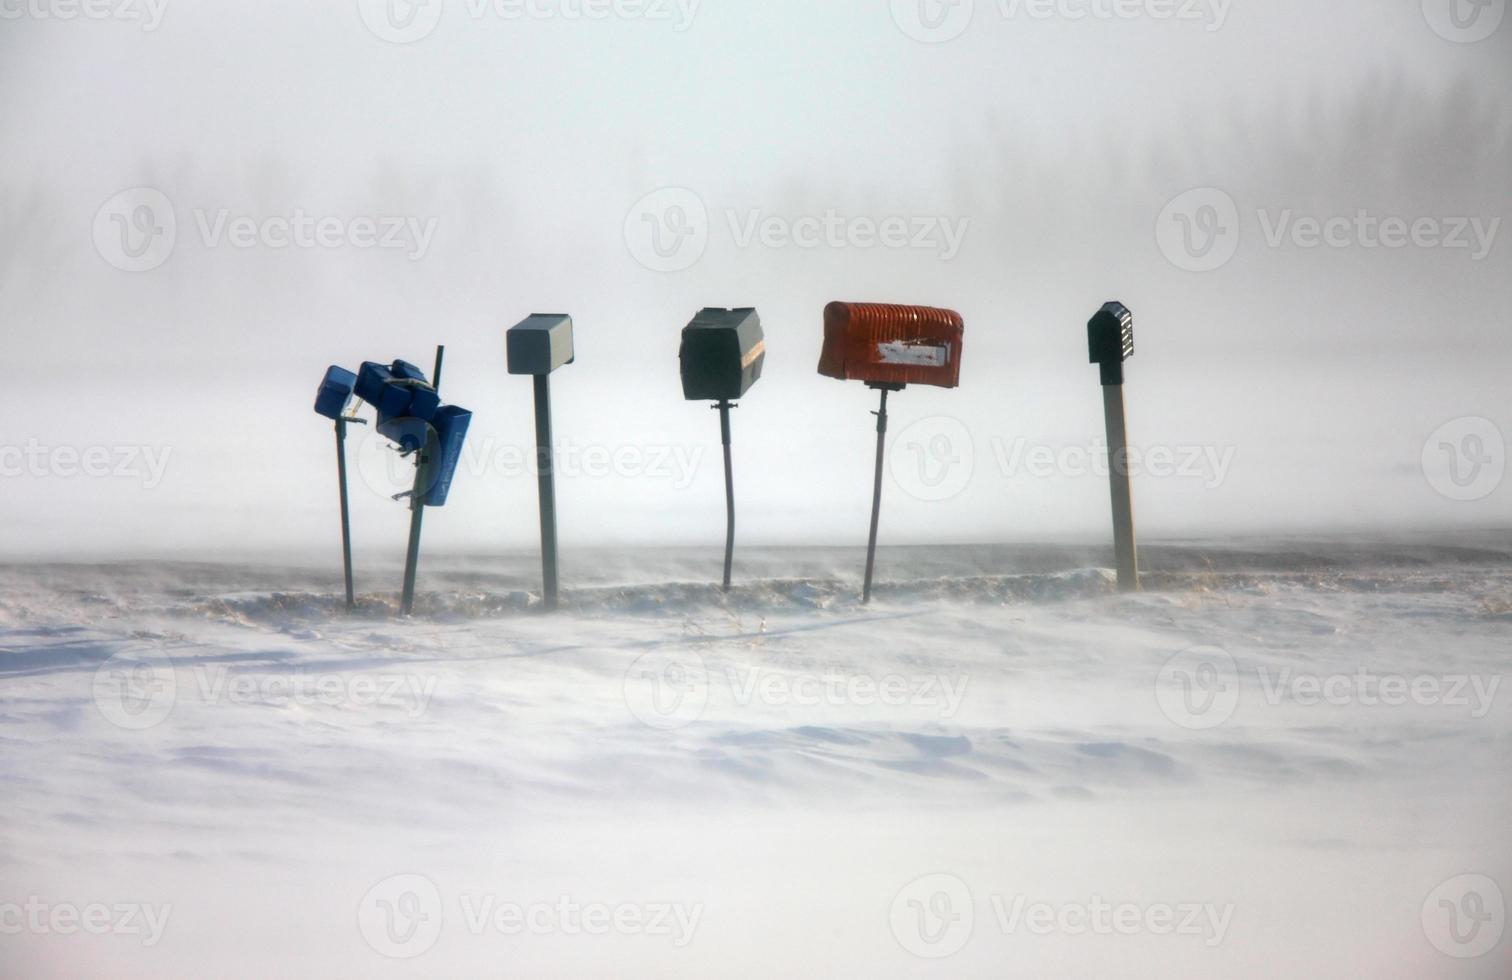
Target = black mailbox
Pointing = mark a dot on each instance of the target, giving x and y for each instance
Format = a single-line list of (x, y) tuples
[(722, 354), (1110, 336)]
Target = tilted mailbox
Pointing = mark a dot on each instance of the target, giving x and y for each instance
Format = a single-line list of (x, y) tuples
[(722, 354), (333, 399), (537, 346), (411, 415), (1110, 339), (890, 347)]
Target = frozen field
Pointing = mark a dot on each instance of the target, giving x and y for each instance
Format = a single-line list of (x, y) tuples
[(1283, 761)]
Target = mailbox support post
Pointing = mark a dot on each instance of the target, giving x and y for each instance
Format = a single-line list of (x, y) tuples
[(423, 459), (876, 514), (1124, 550), (346, 515), (724, 407), (546, 478), (1110, 342)]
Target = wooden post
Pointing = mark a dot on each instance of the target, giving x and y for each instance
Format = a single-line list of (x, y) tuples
[(1124, 549)]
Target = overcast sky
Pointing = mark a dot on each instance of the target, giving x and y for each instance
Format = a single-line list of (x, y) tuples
[(205, 206)]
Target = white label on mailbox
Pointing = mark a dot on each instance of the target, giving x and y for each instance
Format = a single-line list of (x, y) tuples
[(914, 355)]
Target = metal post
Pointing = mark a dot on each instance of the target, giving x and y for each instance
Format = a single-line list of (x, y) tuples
[(346, 518), (876, 515), (423, 457), (724, 437), (1124, 548), (546, 477)]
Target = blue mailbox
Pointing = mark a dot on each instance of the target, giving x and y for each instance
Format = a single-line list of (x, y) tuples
[(451, 425), (335, 392)]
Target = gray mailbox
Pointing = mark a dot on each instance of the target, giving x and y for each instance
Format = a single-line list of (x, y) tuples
[(537, 346), (540, 344), (722, 354)]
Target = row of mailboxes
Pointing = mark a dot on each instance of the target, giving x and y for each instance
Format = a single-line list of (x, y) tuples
[(721, 357)]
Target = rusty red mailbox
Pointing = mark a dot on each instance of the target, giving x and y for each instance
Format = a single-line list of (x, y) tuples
[(890, 347)]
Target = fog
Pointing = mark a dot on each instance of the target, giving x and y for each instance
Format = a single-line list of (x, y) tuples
[(1308, 381)]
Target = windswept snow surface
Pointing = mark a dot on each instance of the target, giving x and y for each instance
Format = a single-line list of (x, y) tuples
[(1287, 760)]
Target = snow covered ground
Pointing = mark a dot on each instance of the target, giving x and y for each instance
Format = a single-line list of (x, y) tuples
[(1290, 760)]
